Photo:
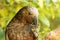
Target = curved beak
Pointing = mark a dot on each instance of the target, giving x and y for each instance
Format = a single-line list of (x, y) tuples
[(34, 21)]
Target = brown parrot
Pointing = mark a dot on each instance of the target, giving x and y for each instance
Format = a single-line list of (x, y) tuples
[(23, 25), (53, 35)]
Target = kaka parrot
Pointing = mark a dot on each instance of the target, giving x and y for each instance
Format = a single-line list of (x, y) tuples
[(53, 35), (23, 25)]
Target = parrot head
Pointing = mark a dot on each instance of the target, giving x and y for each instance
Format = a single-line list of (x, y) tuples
[(28, 14)]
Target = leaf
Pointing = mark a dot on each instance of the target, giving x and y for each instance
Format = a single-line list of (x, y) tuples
[(10, 2), (44, 20), (2, 34), (40, 3), (52, 12)]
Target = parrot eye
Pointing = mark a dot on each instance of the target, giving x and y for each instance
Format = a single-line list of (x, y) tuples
[(30, 13)]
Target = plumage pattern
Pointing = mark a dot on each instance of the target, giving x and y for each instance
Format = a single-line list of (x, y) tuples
[(20, 27)]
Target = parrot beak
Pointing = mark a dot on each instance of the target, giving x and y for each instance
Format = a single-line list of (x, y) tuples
[(34, 21)]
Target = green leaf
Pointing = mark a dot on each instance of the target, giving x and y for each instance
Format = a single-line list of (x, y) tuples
[(10, 2), (2, 34), (44, 20)]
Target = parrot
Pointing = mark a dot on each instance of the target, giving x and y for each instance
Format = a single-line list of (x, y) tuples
[(23, 25)]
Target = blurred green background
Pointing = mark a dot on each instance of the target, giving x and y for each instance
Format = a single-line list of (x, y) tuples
[(48, 18)]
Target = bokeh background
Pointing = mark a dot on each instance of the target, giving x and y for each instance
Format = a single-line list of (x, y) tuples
[(48, 18)]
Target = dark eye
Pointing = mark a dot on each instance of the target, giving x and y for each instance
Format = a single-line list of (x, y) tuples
[(30, 13)]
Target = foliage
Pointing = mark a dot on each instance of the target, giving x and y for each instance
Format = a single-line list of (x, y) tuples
[(48, 18)]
